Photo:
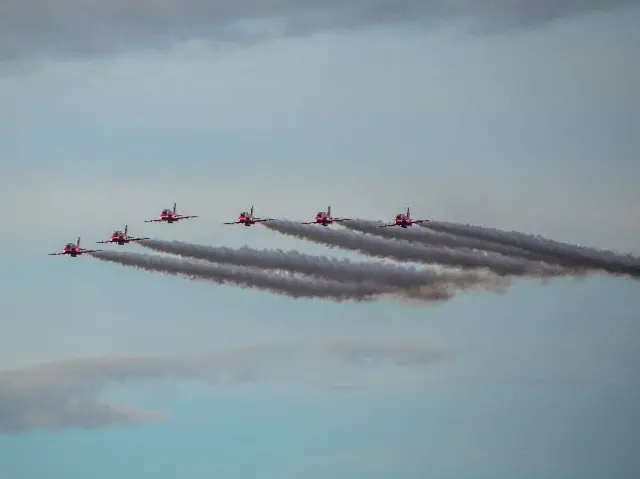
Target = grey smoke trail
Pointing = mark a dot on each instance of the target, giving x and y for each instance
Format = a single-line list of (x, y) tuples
[(407, 251), (436, 238), (289, 286), (566, 254), (322, 266)]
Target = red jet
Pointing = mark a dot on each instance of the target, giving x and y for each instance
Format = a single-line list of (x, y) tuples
[(74, 250), (403, 220), (246, 218), (121, 237), (170, 216), (324, 219)]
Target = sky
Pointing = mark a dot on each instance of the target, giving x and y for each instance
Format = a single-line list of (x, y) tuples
[(506, 115)]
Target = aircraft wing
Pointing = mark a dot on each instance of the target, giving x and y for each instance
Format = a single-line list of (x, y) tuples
[(157, 220), (55, 254), (308, 222), (137, 239), (340, 219), (106, 241), (90, 250), (262, 220), (180, 217), (419, 221), (232, 223), (386, 226)]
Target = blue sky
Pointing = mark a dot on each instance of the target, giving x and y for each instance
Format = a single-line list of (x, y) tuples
[(530, 128)]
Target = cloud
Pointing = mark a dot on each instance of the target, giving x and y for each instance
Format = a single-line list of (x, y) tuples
[(69, 28), (63, 394)]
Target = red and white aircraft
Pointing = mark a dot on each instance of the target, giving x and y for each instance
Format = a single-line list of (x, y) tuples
[(403, 220), (170, 216), (74, 250), (246, 218), (121, 237), (324, 219)]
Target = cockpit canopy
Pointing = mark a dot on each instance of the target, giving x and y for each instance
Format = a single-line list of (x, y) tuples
[(399, 216), (70, 245), (321, 213), (117, 233), (166, 211), (244, 213)]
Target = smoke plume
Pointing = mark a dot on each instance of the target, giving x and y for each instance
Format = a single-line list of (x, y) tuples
[(407, 251), (287, 285), (435, 238), (565, 254), (326, 267)]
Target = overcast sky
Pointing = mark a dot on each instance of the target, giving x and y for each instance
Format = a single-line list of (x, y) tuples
[(509, 115)]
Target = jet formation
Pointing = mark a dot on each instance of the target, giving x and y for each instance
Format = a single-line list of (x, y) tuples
[(246, 218)]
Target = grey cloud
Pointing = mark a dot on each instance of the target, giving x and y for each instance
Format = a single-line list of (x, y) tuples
[(70, 28), (64, 394)]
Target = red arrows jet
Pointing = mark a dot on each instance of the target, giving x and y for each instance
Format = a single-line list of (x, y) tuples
[(403, 220), (324, 219), (246, 218), (74, 250), (121, 237), (170, 216)]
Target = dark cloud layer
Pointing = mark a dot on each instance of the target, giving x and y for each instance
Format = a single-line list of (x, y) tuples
[(69, 28), (64, 394)]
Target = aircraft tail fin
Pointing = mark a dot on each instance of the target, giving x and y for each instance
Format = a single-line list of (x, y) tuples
[(174, 207), (408, 213), (126, 229), (78, 242), (329, 211), (251, 213)]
